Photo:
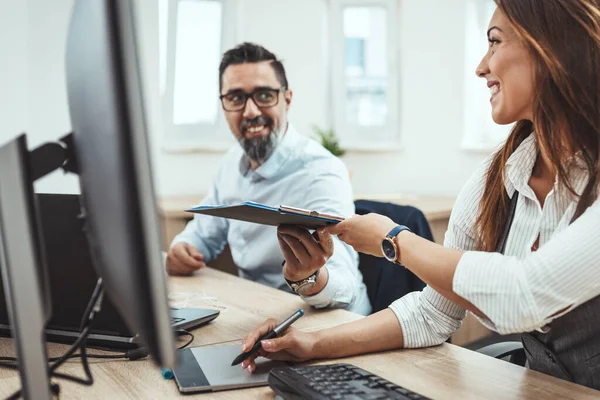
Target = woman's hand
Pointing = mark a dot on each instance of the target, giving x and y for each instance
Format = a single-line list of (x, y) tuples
[(364, 232), (293, 345)]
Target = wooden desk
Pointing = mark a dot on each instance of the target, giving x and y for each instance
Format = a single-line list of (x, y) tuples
[(443, 372)]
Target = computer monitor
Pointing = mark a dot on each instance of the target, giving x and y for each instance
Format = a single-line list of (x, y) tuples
[(23, 267), (109, 150), (110, 136)]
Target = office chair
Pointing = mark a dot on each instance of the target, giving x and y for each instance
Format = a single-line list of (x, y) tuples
[(513, 352), (387, 281)]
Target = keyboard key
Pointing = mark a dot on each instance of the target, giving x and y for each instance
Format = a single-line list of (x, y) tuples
[(338, 381), (401, 390), (375, 396)]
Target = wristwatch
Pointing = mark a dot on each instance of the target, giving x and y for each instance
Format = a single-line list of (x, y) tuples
[(304, 285), (388, 246)]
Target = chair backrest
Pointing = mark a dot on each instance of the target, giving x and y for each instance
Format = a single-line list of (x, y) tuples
[(387, 281)]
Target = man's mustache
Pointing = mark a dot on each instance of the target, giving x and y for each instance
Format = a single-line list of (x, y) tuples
[(256, 121)]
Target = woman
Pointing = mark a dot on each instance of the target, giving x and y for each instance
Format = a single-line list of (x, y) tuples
[(534, 200)]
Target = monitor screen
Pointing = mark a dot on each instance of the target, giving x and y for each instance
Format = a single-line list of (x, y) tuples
[(111, 143)]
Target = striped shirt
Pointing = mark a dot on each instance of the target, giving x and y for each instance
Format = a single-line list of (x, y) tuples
[(522, 290)]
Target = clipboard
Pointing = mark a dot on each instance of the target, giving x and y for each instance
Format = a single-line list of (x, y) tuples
[(266, 215)]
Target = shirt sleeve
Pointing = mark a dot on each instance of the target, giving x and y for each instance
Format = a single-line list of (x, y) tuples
[(427, 318), (520, 295), (206, 233), (330, 192)]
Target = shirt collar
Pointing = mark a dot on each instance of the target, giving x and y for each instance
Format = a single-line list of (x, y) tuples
[(269, 169), (520, 165), (519, 168)]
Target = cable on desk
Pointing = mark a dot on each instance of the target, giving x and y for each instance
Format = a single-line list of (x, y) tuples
[(183, 332), (80, 343), (183, 300), (86, 321), (132, 355)]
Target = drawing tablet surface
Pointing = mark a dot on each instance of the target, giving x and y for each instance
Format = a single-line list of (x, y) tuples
[(208, 368)]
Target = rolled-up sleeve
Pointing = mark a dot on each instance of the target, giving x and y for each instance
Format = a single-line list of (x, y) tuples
[(427, 318), (520, 295)]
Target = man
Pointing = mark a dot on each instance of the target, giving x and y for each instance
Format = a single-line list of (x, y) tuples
[(273, 165)]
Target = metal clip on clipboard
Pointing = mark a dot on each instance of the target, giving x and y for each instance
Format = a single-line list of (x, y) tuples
[(310, 213)]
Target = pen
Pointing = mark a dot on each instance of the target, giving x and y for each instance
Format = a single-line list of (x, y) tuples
[(269, 335)]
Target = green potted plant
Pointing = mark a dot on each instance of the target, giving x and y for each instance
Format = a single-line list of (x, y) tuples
[(329, 140)]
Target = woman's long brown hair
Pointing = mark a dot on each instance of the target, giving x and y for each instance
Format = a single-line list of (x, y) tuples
[(563, 37)]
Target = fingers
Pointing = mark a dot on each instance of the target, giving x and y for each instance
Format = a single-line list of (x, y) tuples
[(184, 255), (303, 243), (288, 254), (260, 330), (183, 259), (326, 241), (297, 248), (339, 228), (273, 349), (250, 362), (194, 253), (278, 344), (251, 338)]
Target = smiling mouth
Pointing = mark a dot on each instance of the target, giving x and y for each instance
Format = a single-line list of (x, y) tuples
[(254, 131), (494, 90)]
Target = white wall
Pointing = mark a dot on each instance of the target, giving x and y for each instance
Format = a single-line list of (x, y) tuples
[(432, 89), (33, 44)]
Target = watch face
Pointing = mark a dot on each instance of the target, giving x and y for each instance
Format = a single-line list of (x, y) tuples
[(389, 250), (305, 287)]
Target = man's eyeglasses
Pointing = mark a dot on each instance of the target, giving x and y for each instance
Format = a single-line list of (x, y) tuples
[(263, 98)]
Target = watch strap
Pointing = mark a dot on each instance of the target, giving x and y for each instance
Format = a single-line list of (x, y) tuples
[(396, 231), (392, 235), (297, 285)]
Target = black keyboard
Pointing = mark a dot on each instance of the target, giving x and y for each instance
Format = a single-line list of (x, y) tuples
[(334, 381)]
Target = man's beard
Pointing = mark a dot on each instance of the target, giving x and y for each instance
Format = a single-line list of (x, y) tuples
[(259, 149)]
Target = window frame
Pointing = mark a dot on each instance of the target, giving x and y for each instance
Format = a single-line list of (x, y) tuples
[(193, 136), (481, 133), (352, 137)]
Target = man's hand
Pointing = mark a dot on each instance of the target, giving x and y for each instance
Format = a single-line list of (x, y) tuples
[(364, 232), (303, 254), (183, 259), (292, 345)]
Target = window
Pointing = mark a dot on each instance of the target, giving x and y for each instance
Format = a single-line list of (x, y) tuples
[(192, 40), (481, 132), (364, 73)]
